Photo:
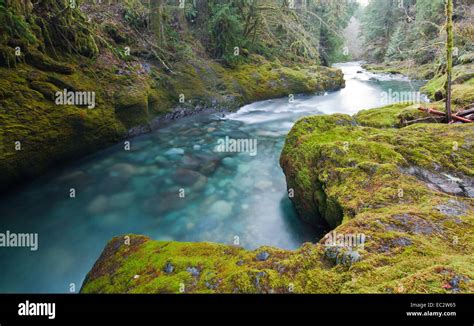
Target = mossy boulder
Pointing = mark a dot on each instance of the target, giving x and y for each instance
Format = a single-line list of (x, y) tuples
[(392, 116), (462, 86), (357, 179), (339, 155)]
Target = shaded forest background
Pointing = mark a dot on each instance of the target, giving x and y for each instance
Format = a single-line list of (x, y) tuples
[(414, 30)]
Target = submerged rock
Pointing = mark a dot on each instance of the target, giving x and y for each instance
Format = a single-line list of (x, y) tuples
[(124, 170), (185, 177), (174, 151), (221, 208)]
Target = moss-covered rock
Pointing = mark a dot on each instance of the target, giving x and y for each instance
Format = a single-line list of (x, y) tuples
[(462, 86), (392, 116), (358, 179)]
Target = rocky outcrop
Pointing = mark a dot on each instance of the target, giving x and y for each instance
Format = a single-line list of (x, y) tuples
[(392, 231)]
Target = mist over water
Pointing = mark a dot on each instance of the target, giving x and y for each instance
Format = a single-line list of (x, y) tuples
[(227, 195)]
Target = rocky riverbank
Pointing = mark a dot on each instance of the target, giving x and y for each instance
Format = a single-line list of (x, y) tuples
[(100, 49), (404, 192)]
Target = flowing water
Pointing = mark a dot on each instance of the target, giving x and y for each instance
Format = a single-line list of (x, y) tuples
[(173, 185)]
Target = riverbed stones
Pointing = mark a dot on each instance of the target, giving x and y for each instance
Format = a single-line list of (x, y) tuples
[(162, 203), (174, 152), (124, 170), (190, 162), (228, 162), (208, 163), (186, 177), (221, 208)]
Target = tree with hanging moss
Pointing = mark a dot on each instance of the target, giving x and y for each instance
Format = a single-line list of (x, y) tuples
[(449, 56)]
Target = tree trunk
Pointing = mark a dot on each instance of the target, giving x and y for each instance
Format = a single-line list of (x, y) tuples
[(449, 59), (156, 21)]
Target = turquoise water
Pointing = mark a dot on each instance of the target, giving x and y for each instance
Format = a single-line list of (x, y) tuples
[(226, 194)]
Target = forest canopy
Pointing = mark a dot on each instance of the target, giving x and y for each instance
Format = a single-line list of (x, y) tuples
[(301, 30), (414, 29)]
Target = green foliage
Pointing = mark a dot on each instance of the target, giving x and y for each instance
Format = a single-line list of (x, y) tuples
[(413, 31), (14, 26), (309, 32), (135, 15), (226, 32)]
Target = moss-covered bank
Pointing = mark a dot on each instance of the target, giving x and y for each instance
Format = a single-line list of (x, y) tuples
[(462, 80), (101, 48), (391, 185)]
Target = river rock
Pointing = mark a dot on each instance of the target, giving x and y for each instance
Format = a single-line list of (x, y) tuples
[(190, 162), (186, 177), (123, 170), (162, 203), (209, 163), (174, 151), (243, 168), (221, 208), (228, 162), (161, 161)]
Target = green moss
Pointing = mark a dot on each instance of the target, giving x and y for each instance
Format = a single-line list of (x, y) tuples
[(352, 177), (390, 116), (462, 88), (48, 90), (43, 62)]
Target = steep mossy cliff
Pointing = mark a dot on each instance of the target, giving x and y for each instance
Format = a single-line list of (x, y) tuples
[(136, 73), (407, 190)]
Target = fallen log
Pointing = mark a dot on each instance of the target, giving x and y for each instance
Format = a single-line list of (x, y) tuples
[(439, 113), (465, 112), (467, 107), (430, 119)]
